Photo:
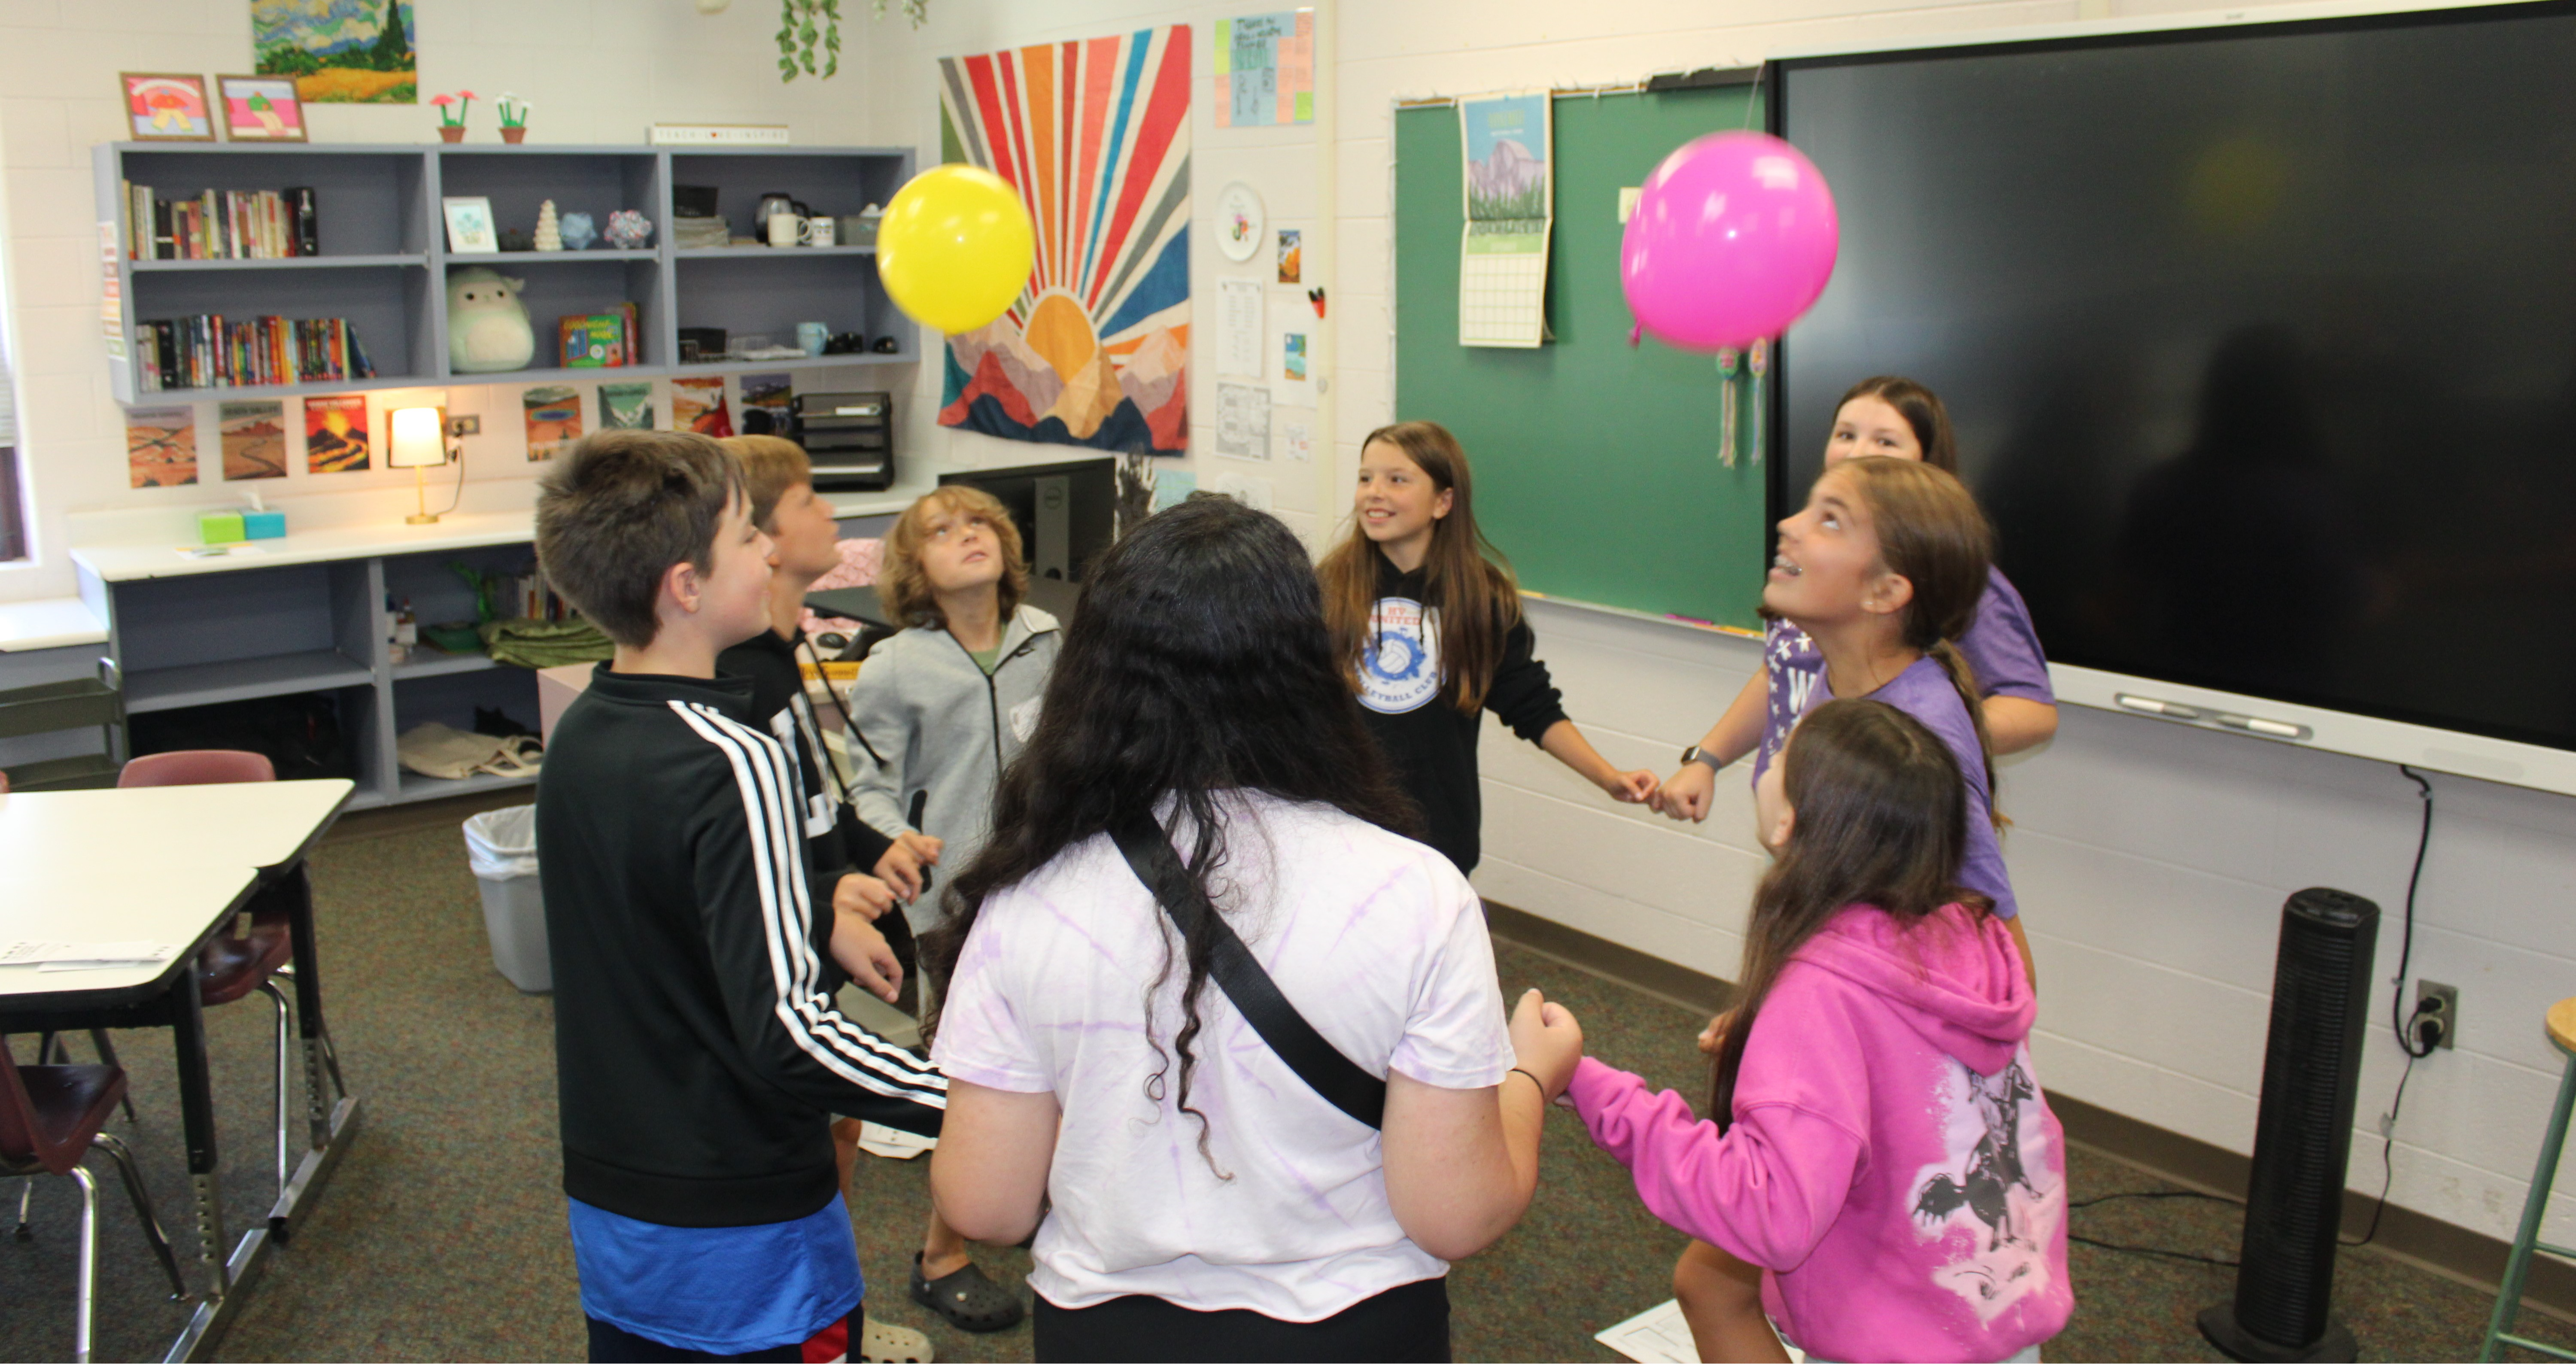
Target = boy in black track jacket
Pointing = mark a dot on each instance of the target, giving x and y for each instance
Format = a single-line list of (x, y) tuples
[(698, 1052)]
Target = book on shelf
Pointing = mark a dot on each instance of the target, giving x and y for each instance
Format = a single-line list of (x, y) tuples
[(596, 341), (222, 224), (212, 351)]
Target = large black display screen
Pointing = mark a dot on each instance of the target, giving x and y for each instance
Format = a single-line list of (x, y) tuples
[(2260, 342)]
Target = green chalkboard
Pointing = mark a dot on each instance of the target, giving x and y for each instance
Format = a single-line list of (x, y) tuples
[(1597, 469)]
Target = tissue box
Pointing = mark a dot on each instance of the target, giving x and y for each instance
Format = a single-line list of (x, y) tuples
[(220, 527), (263, 525)]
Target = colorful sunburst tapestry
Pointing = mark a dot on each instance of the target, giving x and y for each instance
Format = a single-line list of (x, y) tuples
[(1095, 136)]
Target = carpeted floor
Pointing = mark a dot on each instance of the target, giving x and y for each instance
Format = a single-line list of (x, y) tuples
[(442, 1235)]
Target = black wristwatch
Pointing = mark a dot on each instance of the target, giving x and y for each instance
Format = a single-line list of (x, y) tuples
[(1693, 754)]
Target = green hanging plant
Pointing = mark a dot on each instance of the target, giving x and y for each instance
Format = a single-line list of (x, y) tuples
[(804, 26)]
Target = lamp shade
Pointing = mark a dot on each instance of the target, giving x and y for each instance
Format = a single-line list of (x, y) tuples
[(418, 439)]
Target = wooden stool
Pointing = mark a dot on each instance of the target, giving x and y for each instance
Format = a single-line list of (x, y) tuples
[(2562, 1033)]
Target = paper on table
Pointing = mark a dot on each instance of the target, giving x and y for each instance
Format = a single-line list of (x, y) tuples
[(62, 956), (1238, 330)]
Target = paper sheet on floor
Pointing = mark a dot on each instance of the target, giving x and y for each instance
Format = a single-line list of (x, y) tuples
[(1658, 1335)]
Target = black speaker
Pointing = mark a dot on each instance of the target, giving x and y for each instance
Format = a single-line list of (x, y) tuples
[(2302, 1136)]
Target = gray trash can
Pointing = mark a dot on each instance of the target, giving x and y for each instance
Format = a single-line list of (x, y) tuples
[(502, 846)]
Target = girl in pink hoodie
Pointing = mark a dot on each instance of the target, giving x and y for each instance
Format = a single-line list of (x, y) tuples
[(1882, 1151)]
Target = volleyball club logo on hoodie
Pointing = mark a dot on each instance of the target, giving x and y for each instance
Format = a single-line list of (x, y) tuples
[(1400, 665), (1993, 1184)]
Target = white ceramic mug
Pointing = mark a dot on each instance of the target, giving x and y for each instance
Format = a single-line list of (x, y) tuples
[(786, 229), (821, 231)]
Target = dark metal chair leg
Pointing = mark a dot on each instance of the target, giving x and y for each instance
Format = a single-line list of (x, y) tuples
[(160, 1239)]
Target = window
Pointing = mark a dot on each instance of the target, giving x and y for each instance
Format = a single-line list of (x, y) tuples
[(13, 502), (13, 523)]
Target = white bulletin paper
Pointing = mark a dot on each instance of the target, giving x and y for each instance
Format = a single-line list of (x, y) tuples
[(1243, 421), (1238, 329)]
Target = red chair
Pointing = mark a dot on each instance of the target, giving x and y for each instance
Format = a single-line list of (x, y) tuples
[(235, 963), (50, 1117)]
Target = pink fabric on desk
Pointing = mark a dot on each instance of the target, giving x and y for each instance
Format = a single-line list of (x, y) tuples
[(860, 560)]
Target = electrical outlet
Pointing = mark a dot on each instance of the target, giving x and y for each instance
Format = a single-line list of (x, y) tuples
[(2437, 1001), (465, 426)]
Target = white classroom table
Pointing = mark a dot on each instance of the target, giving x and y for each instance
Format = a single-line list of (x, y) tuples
[(174, 864)]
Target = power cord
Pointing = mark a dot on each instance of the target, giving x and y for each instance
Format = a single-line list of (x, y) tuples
[(2155, 1251), (2417, 1035)]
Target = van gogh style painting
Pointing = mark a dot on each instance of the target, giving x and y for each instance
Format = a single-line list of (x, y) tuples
[(1095, 136), (338, 51)]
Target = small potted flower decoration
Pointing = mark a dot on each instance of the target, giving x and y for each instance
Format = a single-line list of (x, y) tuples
[(453, 129), (514, 118)]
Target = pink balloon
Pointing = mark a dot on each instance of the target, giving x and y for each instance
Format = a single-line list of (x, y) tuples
[(1732, 239)]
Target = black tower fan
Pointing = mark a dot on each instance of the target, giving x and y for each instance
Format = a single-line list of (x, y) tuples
[(2302, 1136)]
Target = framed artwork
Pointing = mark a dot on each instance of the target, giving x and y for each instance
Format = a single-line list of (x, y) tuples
[(166, 108), (469, 226), (260, 109)]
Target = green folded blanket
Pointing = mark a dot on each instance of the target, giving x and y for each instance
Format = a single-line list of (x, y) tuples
[(544, 643)]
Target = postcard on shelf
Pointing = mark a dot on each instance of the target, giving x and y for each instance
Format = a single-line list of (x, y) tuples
[(254, 439), (261, 109), (554, 418), (469, 226), (166, 108), (161, 446), (335, 434), (626, 406)]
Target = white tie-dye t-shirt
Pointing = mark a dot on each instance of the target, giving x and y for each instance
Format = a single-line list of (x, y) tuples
[(1376, 939)]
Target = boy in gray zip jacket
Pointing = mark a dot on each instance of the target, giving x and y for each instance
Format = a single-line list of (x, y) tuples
[(944, 704)]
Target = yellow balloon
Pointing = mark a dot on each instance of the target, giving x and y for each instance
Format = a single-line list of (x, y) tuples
[(955, 248)]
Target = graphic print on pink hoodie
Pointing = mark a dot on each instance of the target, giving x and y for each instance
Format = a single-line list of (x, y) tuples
[(1891, 1160)]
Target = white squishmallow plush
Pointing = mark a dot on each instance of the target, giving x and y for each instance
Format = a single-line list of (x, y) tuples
[(487, 325)]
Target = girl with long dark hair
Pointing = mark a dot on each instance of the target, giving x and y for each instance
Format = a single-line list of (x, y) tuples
[(1895, 417), (1427, 624), (1206, 1202), (1880, 1152)]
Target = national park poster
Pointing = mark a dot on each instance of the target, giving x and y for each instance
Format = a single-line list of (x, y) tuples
[(554, 418), (335, 434), (161, 446), (254, 439)]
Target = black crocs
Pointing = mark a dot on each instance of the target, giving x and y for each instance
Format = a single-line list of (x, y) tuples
[(967, 1299)]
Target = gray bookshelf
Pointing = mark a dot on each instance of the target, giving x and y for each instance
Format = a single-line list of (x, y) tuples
[(384, 260)]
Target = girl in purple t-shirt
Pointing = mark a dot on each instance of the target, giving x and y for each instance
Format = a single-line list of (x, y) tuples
[(1882, 569), (1903, 419)]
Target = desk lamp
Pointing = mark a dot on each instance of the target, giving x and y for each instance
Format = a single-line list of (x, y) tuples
[(418, 441)]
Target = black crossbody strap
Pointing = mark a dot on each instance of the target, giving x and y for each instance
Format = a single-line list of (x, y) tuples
[(1317, 1062)]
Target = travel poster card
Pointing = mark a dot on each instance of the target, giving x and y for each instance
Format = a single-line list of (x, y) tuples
[(554, 418), (1510, 193), (335, 434), (161, 446), (254, 440), (698, 404), (626, 407), (773, 397)]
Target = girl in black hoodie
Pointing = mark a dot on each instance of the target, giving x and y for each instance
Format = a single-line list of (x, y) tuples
[(1428, 617)]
